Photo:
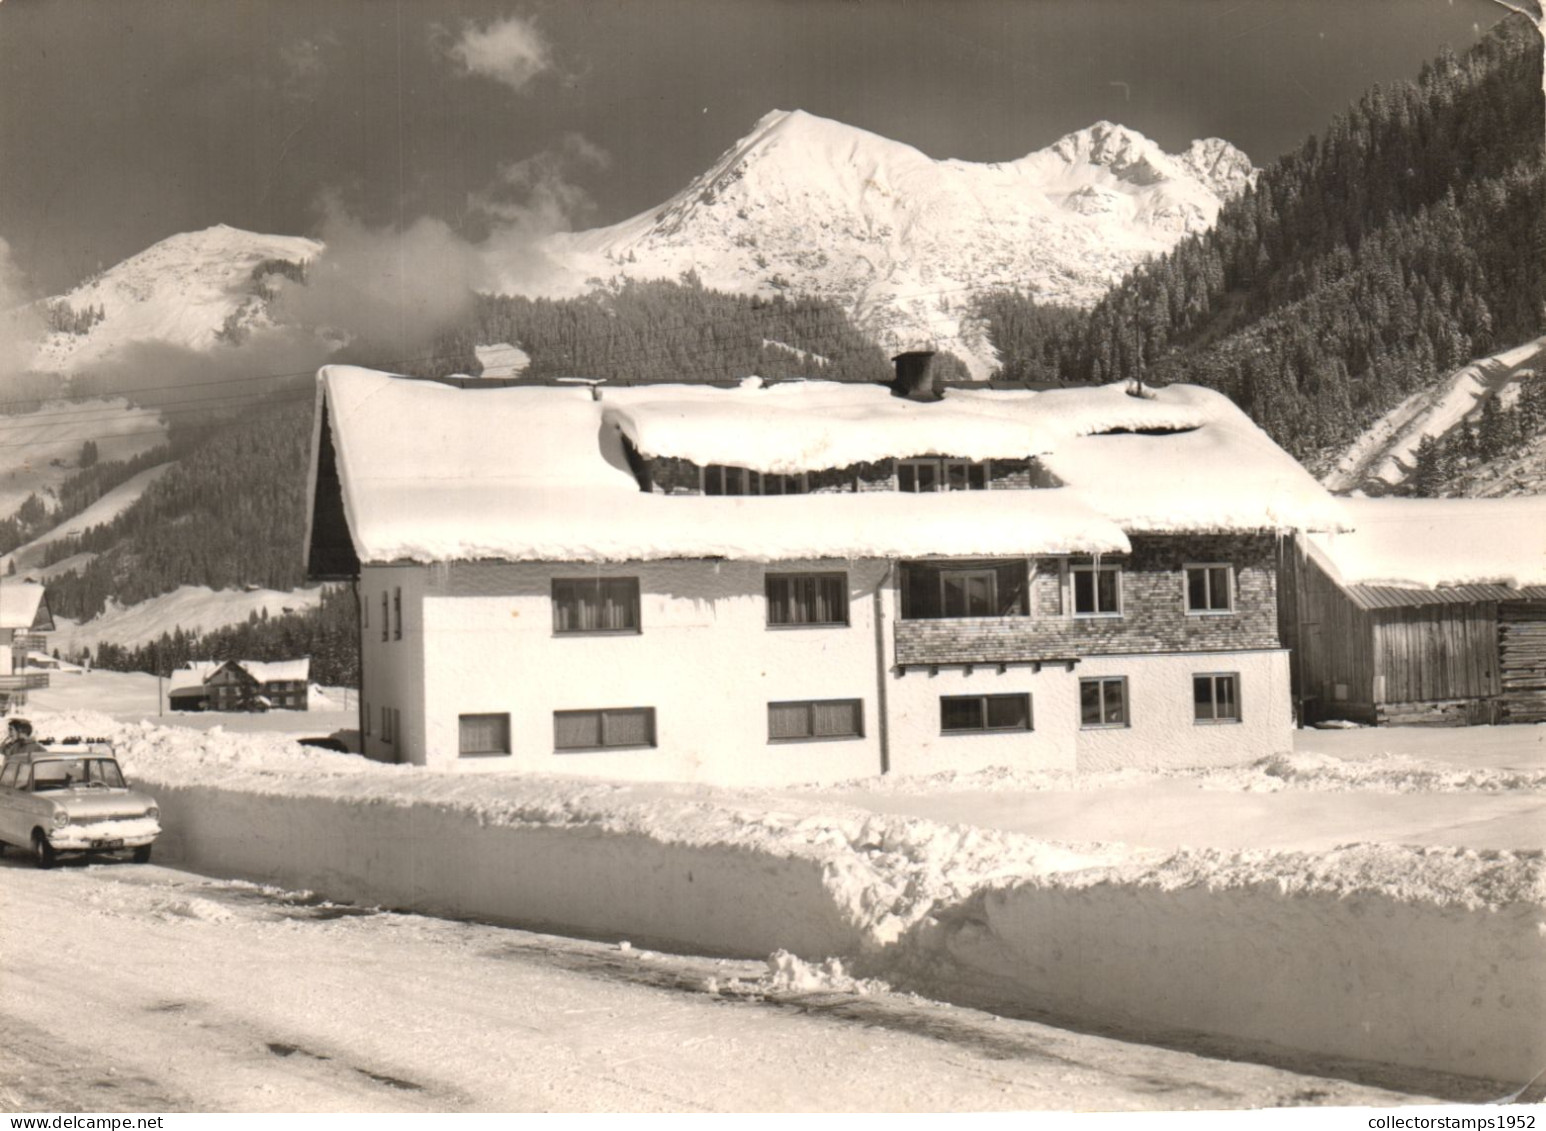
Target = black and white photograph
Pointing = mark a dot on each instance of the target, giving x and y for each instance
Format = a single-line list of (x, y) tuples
[(773, 556)]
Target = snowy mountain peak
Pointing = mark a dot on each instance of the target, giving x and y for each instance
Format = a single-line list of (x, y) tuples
[(181, 291), (904, 241)]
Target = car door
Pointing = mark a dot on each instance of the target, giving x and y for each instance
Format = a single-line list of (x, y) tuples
[(12, 801)]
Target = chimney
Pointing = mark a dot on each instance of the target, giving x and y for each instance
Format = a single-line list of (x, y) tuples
[(915, 376)]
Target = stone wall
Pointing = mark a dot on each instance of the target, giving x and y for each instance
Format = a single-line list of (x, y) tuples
[(1154, 617)]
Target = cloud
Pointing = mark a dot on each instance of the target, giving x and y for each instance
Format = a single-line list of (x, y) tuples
[(21, 321), (510, 51), (387, 290), (531, 199)]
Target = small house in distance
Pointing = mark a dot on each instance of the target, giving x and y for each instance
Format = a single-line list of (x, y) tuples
[(807, 580), (240, 685), (24, 618), (1430, 611)]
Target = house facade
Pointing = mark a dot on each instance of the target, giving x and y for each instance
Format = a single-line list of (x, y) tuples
[(807, 582), (240, 685), (24, 621)]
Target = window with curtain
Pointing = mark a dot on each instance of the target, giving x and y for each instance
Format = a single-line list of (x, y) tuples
[(960, 714), (603, 728), (805, 719), (807, 598), (483, 734), (595, 604)]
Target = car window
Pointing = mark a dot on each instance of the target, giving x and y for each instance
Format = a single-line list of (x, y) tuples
[(57, 774), (8, 775), (106, 771)]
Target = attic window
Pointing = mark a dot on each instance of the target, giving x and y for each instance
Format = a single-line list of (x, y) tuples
[(719, 479), (915, 476)]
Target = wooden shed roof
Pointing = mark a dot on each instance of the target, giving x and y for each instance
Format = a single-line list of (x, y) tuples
[(1400, 597)]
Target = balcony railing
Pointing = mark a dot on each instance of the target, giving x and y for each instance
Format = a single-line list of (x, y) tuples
[(977, 640), (23, 681)]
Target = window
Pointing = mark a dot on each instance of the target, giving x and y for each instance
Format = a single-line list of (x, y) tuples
[(386, 725), (1216, 698), (816, 718), (384, 622), (1209, 589), (918, 476), (397, 610), (483, 734), (597, 730), (718, 479), (595, 604), (1097, 590), (1103, 702), (961, 714), (8, 775), (365, 714), (968, 592), (807, 598), (932, 590)]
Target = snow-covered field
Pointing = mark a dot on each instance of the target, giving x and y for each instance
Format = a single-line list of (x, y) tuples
[(193, 608), (1411, 932)]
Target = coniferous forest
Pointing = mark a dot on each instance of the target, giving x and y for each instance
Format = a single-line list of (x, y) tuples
[(1405, 240)]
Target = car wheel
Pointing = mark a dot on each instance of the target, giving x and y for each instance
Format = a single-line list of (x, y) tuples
[(142, 854), (42, 851)]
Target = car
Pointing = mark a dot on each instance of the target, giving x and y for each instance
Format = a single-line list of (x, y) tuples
[(70, 798)]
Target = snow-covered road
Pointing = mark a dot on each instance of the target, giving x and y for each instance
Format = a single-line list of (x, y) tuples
[(143, 988)]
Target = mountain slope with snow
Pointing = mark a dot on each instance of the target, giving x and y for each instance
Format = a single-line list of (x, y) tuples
[(906, 242), (180, 291), (1385, 454)]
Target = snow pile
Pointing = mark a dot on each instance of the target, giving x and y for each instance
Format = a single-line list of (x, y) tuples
[(788, 973), (1394, 773), (1429, 543), (1315, 951)]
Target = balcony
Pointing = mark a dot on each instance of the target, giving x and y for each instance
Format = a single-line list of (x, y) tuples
[(972, 641), (23, 681)]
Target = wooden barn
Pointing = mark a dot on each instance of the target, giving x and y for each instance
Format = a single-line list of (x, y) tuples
[(1432, 611)]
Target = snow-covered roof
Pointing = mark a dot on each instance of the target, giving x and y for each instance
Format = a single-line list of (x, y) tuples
[(1429, 543), (21, 605), (191, 677), (428, 472), (196, 674)]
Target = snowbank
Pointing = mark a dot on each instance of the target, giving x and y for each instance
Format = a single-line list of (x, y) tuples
[(1426, 958)]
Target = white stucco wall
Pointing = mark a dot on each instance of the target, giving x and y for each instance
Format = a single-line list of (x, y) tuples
[(919, 747), (705, 660), (392, 670), (1162, 731)]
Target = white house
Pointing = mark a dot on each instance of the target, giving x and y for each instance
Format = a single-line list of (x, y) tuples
[(807, 580), (24, 618)]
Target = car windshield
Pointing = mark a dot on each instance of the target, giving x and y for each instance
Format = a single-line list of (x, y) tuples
[(67, 773)]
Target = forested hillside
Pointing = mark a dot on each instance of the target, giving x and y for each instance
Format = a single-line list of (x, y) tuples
[(651, 332), (1406, 239), (231, 512)]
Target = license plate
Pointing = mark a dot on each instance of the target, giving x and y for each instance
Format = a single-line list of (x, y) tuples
[(107, 844)]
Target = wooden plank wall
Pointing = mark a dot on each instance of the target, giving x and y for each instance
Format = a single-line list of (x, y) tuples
[(1522, 647), (1332, 640), (1436, 652)]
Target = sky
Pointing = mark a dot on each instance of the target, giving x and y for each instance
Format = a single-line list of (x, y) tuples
[(125, 121)]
